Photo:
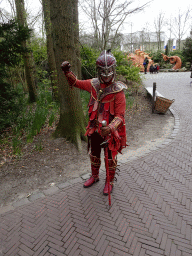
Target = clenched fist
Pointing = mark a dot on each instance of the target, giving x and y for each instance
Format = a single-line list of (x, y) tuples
[(105, 131), (65, 66)]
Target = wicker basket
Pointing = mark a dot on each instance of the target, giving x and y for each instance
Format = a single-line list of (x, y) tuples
[(162, 104)]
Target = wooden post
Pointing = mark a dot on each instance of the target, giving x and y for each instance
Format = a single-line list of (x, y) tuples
[(153, 99)]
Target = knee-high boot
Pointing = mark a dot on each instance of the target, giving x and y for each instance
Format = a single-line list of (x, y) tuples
[(95, 165), (112, 164)]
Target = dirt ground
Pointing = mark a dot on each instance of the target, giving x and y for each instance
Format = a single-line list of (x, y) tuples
[(49, 161)]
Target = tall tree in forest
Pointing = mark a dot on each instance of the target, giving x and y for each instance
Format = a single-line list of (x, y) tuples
[(76, 34), (72, 120), (27, 56), (50, 52)]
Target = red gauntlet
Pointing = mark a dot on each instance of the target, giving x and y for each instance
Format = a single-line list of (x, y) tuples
[(71, 78), (116, 122), (115, 139)]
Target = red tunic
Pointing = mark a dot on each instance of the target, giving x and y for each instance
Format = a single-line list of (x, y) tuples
[(110, 105)]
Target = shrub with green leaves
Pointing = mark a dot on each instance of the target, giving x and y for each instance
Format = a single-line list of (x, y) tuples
[(44, 110), (11, 36), (157, 58), (11, 104), (88, 61), (126, 68), (39, 49), (187, 50)]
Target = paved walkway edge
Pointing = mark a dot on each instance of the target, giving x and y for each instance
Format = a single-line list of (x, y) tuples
[(159, 145)]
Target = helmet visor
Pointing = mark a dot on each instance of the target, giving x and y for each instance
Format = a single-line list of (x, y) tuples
[(106, 72)]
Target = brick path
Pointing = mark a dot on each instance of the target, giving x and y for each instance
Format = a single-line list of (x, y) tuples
[(151, 211)]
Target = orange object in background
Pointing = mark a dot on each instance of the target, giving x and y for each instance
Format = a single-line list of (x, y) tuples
[(138, 59), (173, 59)]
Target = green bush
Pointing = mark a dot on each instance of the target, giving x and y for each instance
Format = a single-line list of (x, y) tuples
[(125, 67), (187, 50), (39, 49), (44, 110), (11, 104), (11, 36), (88, 62), (33, 118), (157, 58)]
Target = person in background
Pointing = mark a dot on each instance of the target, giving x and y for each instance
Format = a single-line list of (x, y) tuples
[(145, 64), (158, 67), (151, 69)]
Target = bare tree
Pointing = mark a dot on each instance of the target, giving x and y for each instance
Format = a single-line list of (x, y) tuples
[(147, 37), (159, 23), (181, 25), (5, 16), (107, 17), (169, 24), (76, 35)]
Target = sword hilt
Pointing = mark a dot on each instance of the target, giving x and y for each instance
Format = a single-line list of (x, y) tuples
[(104, 123), (105, 143)]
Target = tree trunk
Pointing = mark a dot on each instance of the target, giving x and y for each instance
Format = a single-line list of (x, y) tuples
[(50, 52), (76, 36), (72, 120), (27, 57)]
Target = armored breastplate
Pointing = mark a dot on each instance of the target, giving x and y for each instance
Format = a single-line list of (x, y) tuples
[(101, 104), (99, 93)]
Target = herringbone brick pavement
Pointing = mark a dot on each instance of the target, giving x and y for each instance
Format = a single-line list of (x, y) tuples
[(151, 212)]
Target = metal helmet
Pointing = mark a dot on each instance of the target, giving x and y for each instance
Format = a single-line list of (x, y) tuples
[(106, 64)]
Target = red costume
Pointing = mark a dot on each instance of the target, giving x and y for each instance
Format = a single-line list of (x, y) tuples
[(107, 102)]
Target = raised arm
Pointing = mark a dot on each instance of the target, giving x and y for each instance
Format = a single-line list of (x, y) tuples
[(72, 79)]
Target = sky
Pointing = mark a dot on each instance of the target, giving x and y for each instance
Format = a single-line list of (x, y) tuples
[(168, 7)]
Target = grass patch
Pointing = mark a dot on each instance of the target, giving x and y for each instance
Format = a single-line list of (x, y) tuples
[(33, 118)]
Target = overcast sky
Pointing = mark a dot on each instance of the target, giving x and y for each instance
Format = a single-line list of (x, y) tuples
[(169, 7)]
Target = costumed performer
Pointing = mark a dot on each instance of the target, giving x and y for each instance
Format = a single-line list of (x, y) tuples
[(107, 102)]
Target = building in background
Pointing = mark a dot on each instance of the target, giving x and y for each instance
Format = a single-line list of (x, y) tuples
[(148, 42), (145, 41)]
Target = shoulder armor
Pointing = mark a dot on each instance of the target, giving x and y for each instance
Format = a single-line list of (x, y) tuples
[(101, 93), (95, 83), (119, 86)]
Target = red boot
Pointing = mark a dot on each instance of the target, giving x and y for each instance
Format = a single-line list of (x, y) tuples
[(95, 165), (112, 164)]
